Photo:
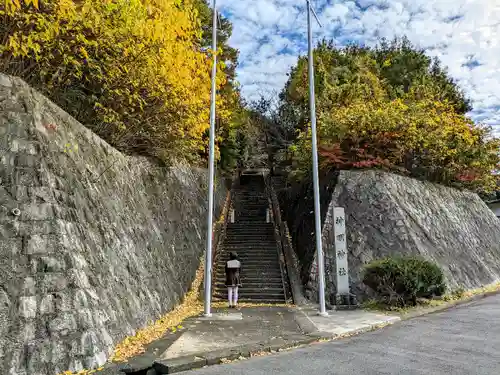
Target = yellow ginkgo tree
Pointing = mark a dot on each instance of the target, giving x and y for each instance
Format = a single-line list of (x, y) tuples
[(134, 71)]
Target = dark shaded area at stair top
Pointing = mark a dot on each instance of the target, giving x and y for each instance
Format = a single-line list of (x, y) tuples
[(296, 200), (254, 241)]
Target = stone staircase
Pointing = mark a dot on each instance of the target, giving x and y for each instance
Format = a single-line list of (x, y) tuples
[(254, 241)]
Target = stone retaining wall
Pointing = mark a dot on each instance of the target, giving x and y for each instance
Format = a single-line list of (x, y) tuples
[(387, 214), (93, 244)]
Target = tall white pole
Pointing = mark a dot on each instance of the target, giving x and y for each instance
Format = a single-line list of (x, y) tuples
[(208, 253), (317, 212)]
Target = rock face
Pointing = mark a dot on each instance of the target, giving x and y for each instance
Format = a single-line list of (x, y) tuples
[(93, 244), (387, 214)]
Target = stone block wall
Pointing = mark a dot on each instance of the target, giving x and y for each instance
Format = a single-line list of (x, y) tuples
[(387, 214), (93, 244)]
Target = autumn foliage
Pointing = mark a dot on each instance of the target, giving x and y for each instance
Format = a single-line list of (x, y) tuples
[(136, 72), (392, 108)]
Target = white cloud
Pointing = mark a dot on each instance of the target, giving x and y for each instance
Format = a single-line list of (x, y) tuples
[(272, 33)]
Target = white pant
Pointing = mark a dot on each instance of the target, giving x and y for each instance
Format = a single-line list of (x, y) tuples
[(232, 295)]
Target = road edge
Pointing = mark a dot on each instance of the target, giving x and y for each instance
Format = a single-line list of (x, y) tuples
[(311, 336), (448, 305)]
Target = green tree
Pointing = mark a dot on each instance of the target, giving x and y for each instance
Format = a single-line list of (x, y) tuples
[(403, 66), (389, 107)]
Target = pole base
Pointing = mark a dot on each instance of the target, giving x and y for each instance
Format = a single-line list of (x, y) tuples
[(323, 314), (207, 315)]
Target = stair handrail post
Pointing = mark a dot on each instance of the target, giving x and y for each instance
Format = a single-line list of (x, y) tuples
[(317, 212), (211, 162)]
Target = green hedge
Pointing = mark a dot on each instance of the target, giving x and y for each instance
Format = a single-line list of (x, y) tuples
[(402, 280)]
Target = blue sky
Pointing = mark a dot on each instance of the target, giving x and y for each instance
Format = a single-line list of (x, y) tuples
[(464, 34)]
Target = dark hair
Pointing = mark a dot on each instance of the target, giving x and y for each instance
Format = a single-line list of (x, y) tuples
[(233, 255)]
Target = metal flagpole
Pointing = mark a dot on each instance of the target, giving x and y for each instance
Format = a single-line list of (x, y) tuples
[(317, 212), (208, 252)]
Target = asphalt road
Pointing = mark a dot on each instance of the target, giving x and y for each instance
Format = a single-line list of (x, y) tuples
[(464, 340)]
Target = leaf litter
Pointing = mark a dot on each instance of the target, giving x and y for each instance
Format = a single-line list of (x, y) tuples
[(169, 323)]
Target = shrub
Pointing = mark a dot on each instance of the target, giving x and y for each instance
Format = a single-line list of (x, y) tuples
[(402, 280)]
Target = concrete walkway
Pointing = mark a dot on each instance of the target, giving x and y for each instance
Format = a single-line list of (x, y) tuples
[(463, 340), (233, 334)]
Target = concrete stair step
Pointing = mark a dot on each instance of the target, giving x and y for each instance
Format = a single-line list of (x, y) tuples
[(263, 257), (256, 249), (253, 296), (264, 246), (250, 234), (252, 224), (252, 273), (245, 232), (250, 203), (253, 279), (250, 231), (271, 238), (249, 300), (246, 195), (261, 285), (254, 213), (251, 242), (258, 218), (221, 284), (244, 291), (254, 270), (248, 276), (266, 243), (254, 264), (269, 242), (255, 219), (251, 217), (252, 237), (249, 227), (253, 289), (248, 291)]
